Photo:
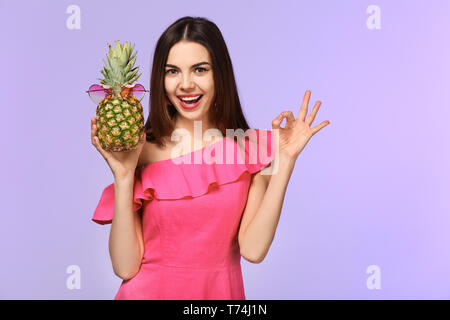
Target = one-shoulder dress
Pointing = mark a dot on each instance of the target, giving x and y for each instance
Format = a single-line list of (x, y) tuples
[(191, 212)]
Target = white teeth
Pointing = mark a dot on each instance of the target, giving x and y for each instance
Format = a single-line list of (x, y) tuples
[(190, 99)]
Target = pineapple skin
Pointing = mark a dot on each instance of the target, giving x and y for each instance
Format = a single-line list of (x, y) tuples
[(120, 123)]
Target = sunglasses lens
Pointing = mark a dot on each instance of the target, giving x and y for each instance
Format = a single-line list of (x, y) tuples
[(97, 93), (138, 91)]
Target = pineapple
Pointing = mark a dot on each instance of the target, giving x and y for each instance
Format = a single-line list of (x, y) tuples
[(120, 117)]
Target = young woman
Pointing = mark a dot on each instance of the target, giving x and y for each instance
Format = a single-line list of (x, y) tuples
[(180, 228)]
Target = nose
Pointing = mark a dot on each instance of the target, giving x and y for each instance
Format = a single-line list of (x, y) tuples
[(186, 82)]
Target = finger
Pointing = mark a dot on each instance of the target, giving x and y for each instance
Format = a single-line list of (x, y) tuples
[(290, 120), (319, 127), (304, 107), (143, 138), (100, 149), (313, 113), (97, 145), (93, 122), (277, 121), (93, 133)]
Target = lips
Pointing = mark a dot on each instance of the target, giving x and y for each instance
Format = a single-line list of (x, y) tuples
[(191, 105), (199, 97)]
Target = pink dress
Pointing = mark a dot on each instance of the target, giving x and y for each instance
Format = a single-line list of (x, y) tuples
[(191, 213)]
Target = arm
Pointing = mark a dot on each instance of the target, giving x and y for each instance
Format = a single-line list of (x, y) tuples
[(262, 211), (259, 222), (126, 245)]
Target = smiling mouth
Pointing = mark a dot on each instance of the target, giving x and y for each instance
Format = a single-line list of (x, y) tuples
[(190, 101)]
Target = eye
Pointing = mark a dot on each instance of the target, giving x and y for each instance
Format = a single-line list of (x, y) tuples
[(199, 68)]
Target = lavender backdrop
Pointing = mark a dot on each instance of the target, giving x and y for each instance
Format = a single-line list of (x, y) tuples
[(369, 189)]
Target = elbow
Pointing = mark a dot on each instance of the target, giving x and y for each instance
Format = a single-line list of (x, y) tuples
[(252, 258), (126, 274)]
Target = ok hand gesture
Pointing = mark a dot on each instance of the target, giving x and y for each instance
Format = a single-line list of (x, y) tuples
[(297, 132)]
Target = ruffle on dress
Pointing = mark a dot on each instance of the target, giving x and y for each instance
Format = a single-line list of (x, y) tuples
[(173, 179)]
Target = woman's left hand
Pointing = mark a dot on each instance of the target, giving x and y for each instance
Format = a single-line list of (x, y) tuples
[(297, 132)]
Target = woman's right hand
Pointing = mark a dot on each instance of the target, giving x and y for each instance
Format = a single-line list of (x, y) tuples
[(122, 164)]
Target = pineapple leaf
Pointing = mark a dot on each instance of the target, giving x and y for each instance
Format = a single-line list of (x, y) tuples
[(119, 66), (133, 59), (130, 64), (126, 54), (121, 51), (133, 56), (109, 64), (108, 75), (108, 72), (123, 61), (111, 76), (130, 76), (117, 47), (127, 69), (134, 78), (105, 82), (132, 73)]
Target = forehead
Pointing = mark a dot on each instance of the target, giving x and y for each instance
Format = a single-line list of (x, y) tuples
[(185, 53)]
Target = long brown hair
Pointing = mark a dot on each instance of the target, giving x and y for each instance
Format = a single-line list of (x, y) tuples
[(226, 112)]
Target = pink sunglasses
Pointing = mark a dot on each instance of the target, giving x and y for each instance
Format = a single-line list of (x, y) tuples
[(97, 92)]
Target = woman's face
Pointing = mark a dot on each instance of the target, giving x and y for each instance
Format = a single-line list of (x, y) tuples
[(188, 71)]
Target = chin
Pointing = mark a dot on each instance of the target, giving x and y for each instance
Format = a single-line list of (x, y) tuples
[(195, 114)]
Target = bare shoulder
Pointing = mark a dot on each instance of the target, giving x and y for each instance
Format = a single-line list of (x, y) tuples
[(151, 152), (146, 153)]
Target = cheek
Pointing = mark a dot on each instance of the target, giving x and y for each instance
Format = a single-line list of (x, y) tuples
[(169, 85), (207, 86)]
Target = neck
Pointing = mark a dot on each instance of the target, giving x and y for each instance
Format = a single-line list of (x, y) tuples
[(196, 128)]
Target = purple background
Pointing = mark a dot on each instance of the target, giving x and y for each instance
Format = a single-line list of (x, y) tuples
[(370, 188)]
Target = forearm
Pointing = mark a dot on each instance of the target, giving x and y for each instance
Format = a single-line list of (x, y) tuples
[(123, 241), (261, 230)]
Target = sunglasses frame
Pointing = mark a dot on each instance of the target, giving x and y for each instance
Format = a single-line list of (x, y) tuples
[(108, 91)]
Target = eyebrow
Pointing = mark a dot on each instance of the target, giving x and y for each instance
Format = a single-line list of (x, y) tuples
[(193, 66)]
